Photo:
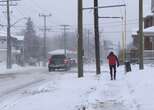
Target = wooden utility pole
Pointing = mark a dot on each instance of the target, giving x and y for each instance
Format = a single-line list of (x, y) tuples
[(9, 63), (44, 41), (88, 45), (141, 36), (97, 45), (80, 39)]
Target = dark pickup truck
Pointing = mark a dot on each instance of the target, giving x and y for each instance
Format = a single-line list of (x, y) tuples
[(58, 62)]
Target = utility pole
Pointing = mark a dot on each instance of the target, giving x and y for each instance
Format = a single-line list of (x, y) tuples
[(88, 46), (141, 39), (97, 45), (44, 40), (125, 38), (80, 38), (65, 39), (9, 49), (123, 41)]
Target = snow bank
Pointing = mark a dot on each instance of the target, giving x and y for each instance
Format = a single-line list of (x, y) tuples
[(141, 85), (17, 69)]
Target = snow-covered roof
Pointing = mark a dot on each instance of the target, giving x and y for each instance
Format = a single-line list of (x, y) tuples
[(147, 31), (4, 34), (149, 14), (18, 37), (13, 50), (1, 50), (61, 52)]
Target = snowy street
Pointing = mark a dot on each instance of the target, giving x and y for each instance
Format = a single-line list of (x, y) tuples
[(13, 81), (37, 89)]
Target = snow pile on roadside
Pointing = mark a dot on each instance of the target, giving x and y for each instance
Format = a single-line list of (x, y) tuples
[(17, 69), (141, 85)]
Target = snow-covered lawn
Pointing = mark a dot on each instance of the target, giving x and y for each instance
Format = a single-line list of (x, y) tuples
[(131, 91)]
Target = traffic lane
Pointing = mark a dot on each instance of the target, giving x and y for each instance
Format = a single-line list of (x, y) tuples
[(14, 80)]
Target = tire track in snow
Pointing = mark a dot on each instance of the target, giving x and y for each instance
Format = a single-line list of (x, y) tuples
[(23, 86)]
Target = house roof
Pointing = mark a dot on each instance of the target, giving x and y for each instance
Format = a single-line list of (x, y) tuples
[(149, 15), (18, 37), (4, 34), (147, 31), (13, 50)]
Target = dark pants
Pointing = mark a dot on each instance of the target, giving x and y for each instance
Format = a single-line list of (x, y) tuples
[(113, 71)]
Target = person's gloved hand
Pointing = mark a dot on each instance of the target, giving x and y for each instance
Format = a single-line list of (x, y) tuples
[(117, 65)]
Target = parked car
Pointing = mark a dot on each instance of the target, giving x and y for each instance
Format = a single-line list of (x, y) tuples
[(58, 62)]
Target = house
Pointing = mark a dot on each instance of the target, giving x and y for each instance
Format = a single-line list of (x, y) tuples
[(148, 38), (16, 46), (148, 32)]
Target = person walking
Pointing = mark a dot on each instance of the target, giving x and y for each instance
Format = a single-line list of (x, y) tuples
[(113, 62)]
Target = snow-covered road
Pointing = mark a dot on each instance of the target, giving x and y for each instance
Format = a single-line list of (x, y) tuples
[(14, 81)]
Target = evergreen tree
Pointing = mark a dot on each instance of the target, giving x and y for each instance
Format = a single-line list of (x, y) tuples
[(31, 42)]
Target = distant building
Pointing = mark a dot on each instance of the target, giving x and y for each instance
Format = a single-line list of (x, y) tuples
[(17, 46)]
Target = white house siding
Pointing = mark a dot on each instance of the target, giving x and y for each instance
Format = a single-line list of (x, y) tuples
[(2, 55), (3, 48)]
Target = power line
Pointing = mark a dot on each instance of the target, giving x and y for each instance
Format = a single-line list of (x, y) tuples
[(100, 7), (131, 21), (36, 4)]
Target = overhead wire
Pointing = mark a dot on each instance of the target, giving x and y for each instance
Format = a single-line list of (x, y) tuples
[(129, 22)]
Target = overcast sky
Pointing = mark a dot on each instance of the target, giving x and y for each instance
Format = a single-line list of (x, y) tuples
[(65, 12)]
